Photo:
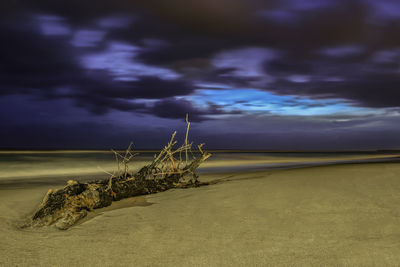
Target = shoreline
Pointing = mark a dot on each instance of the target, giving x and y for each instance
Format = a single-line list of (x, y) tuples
[(222, 167)]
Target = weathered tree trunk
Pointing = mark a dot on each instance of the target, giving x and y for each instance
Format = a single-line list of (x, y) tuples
[(64, 207)]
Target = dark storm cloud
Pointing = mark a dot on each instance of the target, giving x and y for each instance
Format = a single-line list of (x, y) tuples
[(202, 28), (30, 62), (287, 66), (169, 36), (338, 24), (48, 67), (178, 108), (153, 87), (322, 38), (365, 82), (100, 99)]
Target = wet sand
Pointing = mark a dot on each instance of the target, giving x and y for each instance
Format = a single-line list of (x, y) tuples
[(341, 215), (27, 166)]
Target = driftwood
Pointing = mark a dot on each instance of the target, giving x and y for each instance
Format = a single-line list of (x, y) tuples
[(64, 207)]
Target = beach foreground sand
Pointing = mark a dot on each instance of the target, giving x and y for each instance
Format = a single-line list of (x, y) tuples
[(344, 215)]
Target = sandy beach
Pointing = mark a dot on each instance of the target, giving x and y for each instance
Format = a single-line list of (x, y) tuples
[(341, 215)]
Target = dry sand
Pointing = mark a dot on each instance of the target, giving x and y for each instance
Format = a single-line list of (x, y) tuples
[(345, 215)]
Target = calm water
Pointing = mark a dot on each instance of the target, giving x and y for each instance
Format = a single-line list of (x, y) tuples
[(77, 164)]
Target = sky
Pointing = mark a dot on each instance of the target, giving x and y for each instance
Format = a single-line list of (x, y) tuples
[(251, 74)]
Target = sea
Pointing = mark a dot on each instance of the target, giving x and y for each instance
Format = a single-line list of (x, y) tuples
[(20, 168)]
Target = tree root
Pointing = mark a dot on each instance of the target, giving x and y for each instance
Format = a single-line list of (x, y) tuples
[(64, 207)]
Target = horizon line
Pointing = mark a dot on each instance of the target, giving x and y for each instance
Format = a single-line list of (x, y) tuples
[(11, 151)]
